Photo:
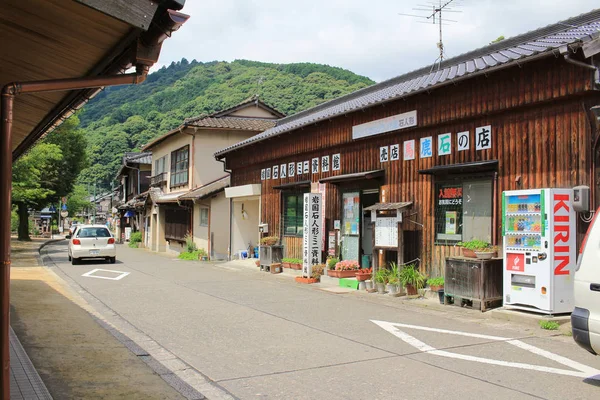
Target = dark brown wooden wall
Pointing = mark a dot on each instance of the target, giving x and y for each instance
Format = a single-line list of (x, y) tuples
[(540, 132)]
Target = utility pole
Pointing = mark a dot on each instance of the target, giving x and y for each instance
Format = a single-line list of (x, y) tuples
[(94, 203)]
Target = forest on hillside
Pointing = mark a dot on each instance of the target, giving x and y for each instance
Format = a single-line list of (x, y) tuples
[(122, 119)]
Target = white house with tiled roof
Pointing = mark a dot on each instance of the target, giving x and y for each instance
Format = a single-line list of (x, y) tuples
[(187, 183)]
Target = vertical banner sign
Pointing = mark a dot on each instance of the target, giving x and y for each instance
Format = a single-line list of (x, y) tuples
[(483, 137), (335, 161), (313, 233), (325, 164), (409, 150), (384, 155), (395, 152), (444, 144), (462, 139), (323, 192)]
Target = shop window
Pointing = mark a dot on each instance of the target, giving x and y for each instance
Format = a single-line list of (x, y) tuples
[(203, 216), (292, 214), (179, 166), (177, 223), (463, 210)]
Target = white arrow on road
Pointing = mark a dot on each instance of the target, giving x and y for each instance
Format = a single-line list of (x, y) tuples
[(582, 371)]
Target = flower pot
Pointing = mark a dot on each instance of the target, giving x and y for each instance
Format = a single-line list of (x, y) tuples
[(441, 295), (436, 288), (362, 285), (362, 277), (286, 265), (380, 287), (276, 268), (342, 274), (297, 267), (392, 289), (301, 279), (369, 284), (468, 253), (411, 290), (484, 255)]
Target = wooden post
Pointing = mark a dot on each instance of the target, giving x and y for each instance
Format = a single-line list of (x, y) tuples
[(400, 244)]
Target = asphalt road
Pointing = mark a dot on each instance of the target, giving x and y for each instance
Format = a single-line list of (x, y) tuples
[(234, 332)]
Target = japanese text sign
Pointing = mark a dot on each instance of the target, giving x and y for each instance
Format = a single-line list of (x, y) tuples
[(409, 150), (426, 150), (313, 233)]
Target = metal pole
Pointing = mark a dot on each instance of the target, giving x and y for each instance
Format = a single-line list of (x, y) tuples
[(5, 198), (94, 202)]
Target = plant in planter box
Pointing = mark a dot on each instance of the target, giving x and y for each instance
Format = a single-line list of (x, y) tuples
[(411, 278), (381, 279), (331, 261), (286, 262), (436, 283), (469, 248), (344, 269), (296, 263), (315, 277), (269, 240)]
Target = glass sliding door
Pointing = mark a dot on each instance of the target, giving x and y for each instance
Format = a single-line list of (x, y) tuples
[(351, 226)]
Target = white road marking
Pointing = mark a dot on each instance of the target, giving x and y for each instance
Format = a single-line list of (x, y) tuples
[(91, 273), (582, 371)]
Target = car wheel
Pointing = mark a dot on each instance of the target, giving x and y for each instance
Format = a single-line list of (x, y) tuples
[(113, 260), (74, 261)]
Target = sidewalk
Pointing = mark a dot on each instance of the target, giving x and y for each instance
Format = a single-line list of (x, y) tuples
[(75, 356)]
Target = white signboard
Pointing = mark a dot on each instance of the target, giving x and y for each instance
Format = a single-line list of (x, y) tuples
[(462, 139), (335, 162), (483, 137), (384, 154), (386, 232), (383, 125), (299, 168), (291, 169), (395, 152), (313, 232), (283, 171)]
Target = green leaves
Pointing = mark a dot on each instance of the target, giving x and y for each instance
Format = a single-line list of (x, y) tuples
[(125, 118)]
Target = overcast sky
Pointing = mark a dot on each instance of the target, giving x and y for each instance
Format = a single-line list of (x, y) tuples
[(367, 37)]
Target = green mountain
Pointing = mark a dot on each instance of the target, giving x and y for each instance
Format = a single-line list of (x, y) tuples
[(124, 118)]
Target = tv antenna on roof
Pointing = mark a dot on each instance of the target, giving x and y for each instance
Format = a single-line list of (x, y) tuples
[(435, 9)]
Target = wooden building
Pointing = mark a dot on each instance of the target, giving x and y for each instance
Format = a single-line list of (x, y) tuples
[(448, 139)]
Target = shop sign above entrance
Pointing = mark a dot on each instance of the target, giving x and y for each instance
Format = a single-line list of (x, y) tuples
[(393, 123)]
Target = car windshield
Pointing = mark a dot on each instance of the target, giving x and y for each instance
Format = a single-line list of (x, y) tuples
[(93, 233)]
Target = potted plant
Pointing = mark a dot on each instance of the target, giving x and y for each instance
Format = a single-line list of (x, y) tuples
[(412, 279), (344, 269), (436, 283), (469, 248), (331, 261), (269, 240), (363, 274), (487, 253), (270, 252), (393, 279), (381, 278)]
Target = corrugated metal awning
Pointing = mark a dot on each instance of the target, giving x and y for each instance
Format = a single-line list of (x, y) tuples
[(293, 185), (389, 206), (479, 166), (354, 177)]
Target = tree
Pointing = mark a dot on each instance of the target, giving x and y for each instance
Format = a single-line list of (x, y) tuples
[(78, 200), (29, 187), (64, 173)]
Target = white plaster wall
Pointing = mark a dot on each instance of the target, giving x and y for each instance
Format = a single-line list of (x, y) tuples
[(244, 230)]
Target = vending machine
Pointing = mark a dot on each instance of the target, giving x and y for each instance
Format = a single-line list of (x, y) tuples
[(539, 233)]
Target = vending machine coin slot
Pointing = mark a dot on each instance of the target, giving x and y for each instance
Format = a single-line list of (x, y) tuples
[(534, 259)]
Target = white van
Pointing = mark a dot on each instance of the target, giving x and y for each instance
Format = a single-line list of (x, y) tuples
[(585, 319)]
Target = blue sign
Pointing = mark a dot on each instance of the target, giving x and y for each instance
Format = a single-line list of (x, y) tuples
[(52, 209), (64, 207)]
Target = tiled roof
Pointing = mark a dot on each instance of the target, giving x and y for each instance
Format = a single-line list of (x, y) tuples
[(247, 124), (207, 190), (519, 49), (253, 99), (140, 158)]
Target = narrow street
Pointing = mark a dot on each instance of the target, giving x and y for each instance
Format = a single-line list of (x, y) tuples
[(257, 335)]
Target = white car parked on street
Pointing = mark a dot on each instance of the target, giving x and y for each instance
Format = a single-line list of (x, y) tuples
[(92, 241)]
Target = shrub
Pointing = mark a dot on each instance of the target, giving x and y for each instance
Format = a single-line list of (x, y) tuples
[(332, 261), (437, 281), (549, 325), (192, 255), (317, 271), (474, 244), (381, 276), (135, 239), (189, 244)]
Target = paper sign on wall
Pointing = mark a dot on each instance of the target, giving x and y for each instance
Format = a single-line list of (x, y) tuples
[(409, 150), (336, 162), (462, 139), (426, 150)]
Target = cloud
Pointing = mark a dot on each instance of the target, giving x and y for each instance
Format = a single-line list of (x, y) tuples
[(366, 37)]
